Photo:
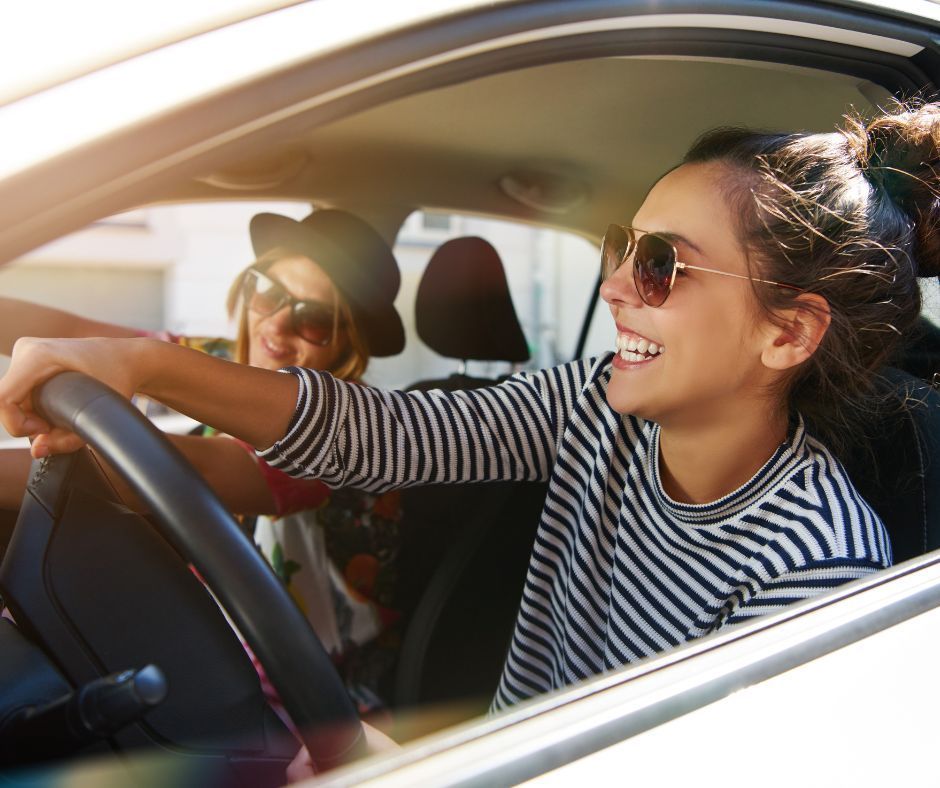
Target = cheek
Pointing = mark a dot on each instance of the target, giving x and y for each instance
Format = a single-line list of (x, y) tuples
[(315, 357), (716, 347), (709, 354), (325, 357), (252, 334)]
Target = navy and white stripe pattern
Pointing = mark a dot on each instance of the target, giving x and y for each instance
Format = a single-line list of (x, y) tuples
[(619, 571)]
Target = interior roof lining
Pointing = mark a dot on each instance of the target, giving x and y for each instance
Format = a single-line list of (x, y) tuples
[(182, 151), (417, 135)]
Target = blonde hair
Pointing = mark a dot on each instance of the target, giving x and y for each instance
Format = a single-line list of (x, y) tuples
[(353, 359)]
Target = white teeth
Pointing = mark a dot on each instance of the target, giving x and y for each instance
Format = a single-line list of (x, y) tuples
[(632, 348), (626, 355), (273, 347)]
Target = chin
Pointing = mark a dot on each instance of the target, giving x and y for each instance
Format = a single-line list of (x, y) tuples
[(623, 403), (263, 361)]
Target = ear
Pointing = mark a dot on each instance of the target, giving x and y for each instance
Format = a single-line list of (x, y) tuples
[(796, 333)]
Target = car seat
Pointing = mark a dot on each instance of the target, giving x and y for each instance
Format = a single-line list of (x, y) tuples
[(463, 311), (921, 357), (897, 469), (465, 548)]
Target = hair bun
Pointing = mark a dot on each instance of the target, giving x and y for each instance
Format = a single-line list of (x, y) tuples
[(900, 154)]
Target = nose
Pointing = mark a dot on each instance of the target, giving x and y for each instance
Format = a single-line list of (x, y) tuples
[(619, 290), (281, 319)]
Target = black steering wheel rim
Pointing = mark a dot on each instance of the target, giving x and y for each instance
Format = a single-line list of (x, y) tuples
[(192, 519)]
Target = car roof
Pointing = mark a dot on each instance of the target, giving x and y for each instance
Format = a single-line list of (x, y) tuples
[(574, 144), (516, 110), (45, 42)]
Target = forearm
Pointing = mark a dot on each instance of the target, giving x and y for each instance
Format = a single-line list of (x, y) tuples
[(246, 402), (25, 319), (226, 467), (230, 471), (14, 473), (363, 437)]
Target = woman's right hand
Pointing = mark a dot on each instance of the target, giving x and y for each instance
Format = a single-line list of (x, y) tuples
[(34, 361), (255, 405)]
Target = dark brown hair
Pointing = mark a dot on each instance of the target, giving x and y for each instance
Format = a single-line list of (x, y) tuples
[(853, 216)]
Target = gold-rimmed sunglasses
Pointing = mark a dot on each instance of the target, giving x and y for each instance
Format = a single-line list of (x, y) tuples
[(655, 263)]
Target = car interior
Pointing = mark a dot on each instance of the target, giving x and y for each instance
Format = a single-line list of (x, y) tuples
[(572, 140)]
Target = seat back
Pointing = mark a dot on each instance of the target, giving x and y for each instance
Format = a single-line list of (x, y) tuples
[(897, 470), (465, 548)]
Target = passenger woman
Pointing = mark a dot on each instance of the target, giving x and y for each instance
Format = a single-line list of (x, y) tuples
[(319, 295)]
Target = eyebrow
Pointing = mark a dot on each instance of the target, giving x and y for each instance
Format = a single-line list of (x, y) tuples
[(280, 284), (681, 239)]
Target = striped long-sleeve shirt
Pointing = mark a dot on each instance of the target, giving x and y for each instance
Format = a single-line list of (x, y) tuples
[(619, 571)]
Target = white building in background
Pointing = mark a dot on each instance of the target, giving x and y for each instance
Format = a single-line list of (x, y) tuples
[(169, 267)]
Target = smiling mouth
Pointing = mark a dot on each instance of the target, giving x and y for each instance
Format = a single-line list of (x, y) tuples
[(277, 351), (634, 348)]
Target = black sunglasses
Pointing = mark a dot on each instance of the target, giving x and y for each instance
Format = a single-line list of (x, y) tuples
[(312, 321), (655, 263)]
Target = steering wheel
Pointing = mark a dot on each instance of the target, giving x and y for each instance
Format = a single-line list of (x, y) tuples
[(192, 519)]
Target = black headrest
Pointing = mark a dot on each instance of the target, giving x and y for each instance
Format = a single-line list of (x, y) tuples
[(463, 309)]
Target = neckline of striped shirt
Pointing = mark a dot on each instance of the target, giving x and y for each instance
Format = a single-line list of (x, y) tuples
[(789, 458)]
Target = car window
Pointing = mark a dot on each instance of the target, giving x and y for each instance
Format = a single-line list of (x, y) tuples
[(169, 267), (551, 276), (159, 268), (930, 291)]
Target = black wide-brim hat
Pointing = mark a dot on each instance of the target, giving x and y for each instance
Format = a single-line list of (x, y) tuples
[(355, 257)]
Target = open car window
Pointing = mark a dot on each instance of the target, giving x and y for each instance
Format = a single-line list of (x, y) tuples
[(551, 275), (169, 268)]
